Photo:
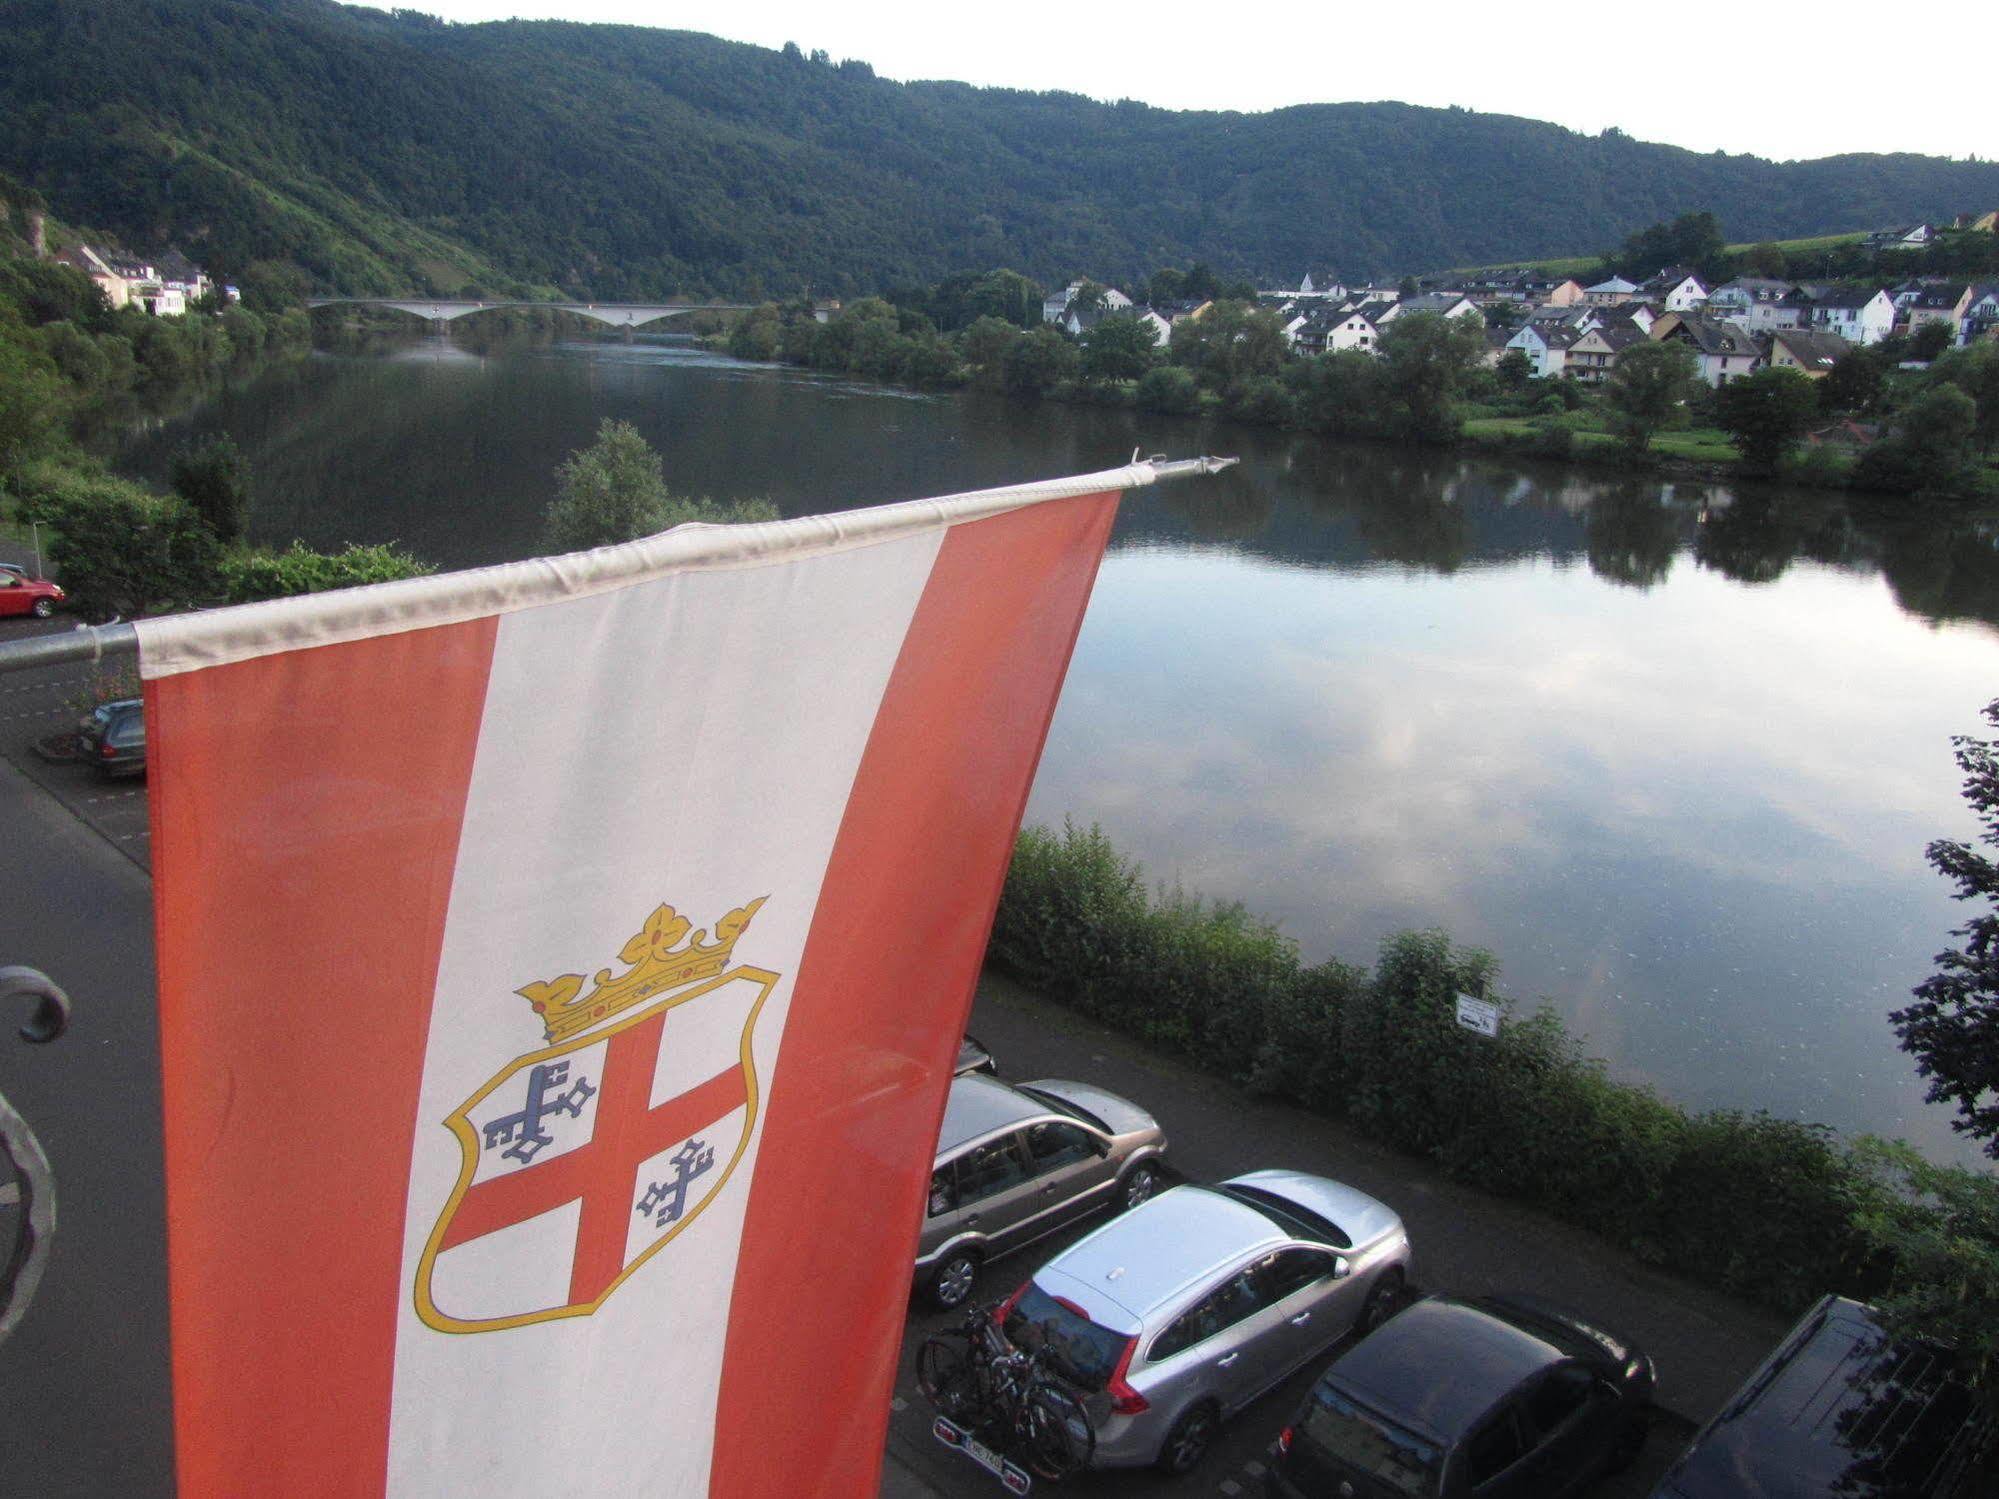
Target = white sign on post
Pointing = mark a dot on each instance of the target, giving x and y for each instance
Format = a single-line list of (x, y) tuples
[(1478, 1015)]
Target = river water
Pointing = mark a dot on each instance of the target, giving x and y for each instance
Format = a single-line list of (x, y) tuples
[(1672, 754)]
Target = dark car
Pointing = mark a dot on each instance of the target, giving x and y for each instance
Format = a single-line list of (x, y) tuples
[(114, 737), (1504, 1397), (1841, 1409), (973, 1057)]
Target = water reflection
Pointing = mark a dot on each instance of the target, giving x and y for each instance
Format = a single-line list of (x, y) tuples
[(1672, 752)]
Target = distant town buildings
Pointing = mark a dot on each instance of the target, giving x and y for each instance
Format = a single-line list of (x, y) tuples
[(164, 288)]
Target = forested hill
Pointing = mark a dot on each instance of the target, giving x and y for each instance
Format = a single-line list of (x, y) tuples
[(393, 152)]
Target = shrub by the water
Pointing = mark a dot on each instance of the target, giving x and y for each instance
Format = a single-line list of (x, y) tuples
[(1760, 1206)]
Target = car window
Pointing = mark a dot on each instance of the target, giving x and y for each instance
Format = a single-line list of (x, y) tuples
[(1291, 1270), (1230, 1302), (943, 1189), (1051, 1146), (1558, 1397), (1495, 1447), (1384, 1451), (987, 1170), (127, 731)]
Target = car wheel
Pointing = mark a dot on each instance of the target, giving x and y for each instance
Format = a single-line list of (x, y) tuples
[(1189, 1440), (43, 608), (1139, 1183), (1386, 1298), (952, 1281), (1631, 1441)]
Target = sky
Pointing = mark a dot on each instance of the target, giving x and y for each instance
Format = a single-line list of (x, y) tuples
[(1705, 74)]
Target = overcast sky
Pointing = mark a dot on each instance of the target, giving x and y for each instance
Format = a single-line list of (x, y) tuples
[(1779, 79)]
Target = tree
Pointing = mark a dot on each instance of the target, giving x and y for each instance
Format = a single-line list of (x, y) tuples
[(1937, 1229), (1929, 449), (1514, 369), (1119, 347), (32, 397), (1952, 1030), (1426, 360), (985, 343), (1693, 239), (609, 492), (1647, 386), (1929, 341), (1975, 371), (1765, 414), (1856, 381), (215, 481), (1037, 360), (121, 550)]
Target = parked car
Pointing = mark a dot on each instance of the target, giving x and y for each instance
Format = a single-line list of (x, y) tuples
[(21, 594), (114, 737), (1173, 1317), (1841, 1409), (1501, 1397), (1017, 1163), (973, 1057)]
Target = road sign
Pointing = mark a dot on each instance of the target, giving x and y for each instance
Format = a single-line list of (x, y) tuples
[(1478, 1015)]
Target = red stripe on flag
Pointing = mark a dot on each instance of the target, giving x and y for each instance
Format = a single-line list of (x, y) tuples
[(306, 812), (859, 1087)]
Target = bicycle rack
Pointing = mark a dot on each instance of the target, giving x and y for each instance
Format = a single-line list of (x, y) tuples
[(34, 1181)]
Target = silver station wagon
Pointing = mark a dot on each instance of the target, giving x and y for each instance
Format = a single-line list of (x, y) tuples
[(1176, 1315), (1016, 1163)]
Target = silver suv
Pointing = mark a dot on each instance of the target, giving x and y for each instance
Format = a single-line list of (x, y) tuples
[(1176, 1315), (1015, 1163)]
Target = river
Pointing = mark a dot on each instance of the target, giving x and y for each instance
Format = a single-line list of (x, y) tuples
[(1672, 754)]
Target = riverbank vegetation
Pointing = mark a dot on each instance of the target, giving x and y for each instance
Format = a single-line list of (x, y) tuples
[(1879, 426), (615, 490), (1775, 1210)]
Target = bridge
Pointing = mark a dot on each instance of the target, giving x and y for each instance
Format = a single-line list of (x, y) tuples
[(617, 314)]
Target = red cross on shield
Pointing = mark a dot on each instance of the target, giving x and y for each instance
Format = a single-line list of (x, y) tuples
[(582, 1161)]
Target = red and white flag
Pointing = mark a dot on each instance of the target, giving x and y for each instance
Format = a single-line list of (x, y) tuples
[(560, 970)]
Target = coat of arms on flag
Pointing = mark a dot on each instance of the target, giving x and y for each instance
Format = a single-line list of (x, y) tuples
[(582, 1160)]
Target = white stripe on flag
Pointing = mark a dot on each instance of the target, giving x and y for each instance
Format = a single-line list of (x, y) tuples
[(749, 695)]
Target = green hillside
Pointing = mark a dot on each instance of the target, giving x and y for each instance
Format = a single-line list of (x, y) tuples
[(394, 152)]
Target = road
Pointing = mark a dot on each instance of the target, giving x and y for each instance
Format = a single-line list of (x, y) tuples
[(83, 1385)]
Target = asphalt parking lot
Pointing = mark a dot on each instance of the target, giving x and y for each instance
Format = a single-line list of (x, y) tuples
[(1216, 1133), (47, 701)]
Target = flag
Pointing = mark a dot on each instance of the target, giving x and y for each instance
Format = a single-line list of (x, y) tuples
[(560, 970)]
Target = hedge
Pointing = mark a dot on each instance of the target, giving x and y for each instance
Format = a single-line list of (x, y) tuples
[(1762, 1206)]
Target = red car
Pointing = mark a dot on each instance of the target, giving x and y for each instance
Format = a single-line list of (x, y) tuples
[(21, 594)]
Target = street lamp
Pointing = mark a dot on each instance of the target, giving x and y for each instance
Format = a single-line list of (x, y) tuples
[(37, 525)]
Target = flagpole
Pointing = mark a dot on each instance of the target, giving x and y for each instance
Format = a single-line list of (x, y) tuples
[(94, 643)]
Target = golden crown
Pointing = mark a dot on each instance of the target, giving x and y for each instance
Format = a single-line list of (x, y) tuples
[(658, 962)]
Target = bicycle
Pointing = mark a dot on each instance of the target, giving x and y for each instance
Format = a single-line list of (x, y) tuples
[(979, 1381)]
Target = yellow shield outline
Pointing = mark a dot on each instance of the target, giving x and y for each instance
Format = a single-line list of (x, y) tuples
[(460, 1126)]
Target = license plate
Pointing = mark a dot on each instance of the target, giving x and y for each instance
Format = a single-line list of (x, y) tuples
[(1011, 1475)]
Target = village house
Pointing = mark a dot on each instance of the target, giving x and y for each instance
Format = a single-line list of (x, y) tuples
[(1161, 326), (1443, 303), (1056, 304), (1903, 237), (1722, 351), (1984, 223), (117, 290), (1592, 356), (1555, 292), (1614, 292), (1675, 289), (1946, 304), (1756, 303), (1325, 285), (1981, 317), (1546, 347), (1858, 314), (1804, 350)]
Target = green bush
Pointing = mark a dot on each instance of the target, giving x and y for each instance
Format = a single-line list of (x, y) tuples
[(1763, 1207), (1170, 389), (250, 575)]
